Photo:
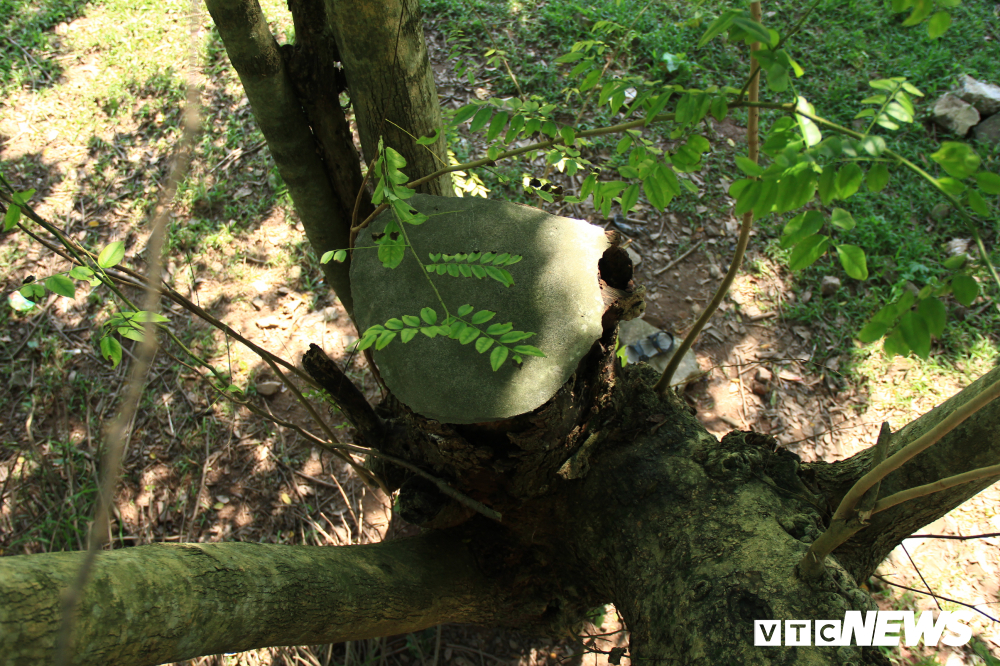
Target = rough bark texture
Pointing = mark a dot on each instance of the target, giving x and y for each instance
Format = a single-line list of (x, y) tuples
[(973, 444), (391, 81), (691, 538), (161, 603), (301, 119)]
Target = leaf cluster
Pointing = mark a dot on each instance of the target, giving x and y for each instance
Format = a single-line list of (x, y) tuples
[(459, 327)]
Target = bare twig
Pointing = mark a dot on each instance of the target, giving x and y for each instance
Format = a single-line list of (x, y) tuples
[(116, 436)]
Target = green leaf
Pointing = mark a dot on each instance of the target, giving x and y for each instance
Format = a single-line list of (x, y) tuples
[(411, 321), (484, 343), (827, 185), (384, 338), (623, 145), (407, 334), (658, 105), (500, 275), (738, 186), (81, 273), (748, 198), (482, 116), (810, 132), (952, 186), (430, 331), (842, 219), (391, 253), (497, 357), (33, 290), (499, 329), (873, 145), (957, 159), (852, 258), (567, 134), (777, 77), (468, 335), (572, 56), (921, 9), (478, 270), (327, 256), (956, 262), (131, 333), (872, 331), (895, 345), (768, 195), (465, 309), (514, 336), (528, 350), (756, 31), (720, 108), (934, 314), (426, 141), (965, 289), (749, 167), (938, 24), (11, 218), (429, 315), (496, 125), (145, 316), (915, 333), (718, 26), (394, 324), (111, 350), (629, 198), (801, 226), (808, 251), (62, 285), (111, 255), (464, 114), (482, 317), (988, 182), (849, 179), (978, 204), (877, 177)]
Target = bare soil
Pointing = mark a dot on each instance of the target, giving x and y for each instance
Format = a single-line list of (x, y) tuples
[(197, 468)]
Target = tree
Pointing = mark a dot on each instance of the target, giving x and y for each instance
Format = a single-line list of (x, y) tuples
[(585, 501)]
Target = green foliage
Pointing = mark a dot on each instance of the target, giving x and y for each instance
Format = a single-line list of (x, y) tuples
[(460, 327), (801, 171), (474, 264)]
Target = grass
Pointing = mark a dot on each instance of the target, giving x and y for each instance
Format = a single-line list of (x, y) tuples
[(113, 99), (840, 48)]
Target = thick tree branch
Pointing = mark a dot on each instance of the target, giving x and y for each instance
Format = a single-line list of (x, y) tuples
[(279, 113), (971, 445), (163, 603)]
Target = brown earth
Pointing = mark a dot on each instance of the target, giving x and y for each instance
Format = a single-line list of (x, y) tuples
[(198, 468)]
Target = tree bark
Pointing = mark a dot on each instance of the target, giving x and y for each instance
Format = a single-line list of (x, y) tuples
[(691, 538), (164, 603), (296, 104), (392, 83)]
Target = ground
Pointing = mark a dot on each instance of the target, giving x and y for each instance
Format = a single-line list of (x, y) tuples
[(93, 136)]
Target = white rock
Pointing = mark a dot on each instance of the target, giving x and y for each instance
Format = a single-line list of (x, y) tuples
[(268, 389), (984, 96), (955, 114)]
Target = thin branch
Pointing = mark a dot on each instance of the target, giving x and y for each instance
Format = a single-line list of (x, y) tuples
[(116, 435), (663, 385)]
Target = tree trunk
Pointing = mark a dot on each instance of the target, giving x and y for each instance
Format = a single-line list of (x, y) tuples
[(391, 83), (294, 92), (692, 539), (609, 492)]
